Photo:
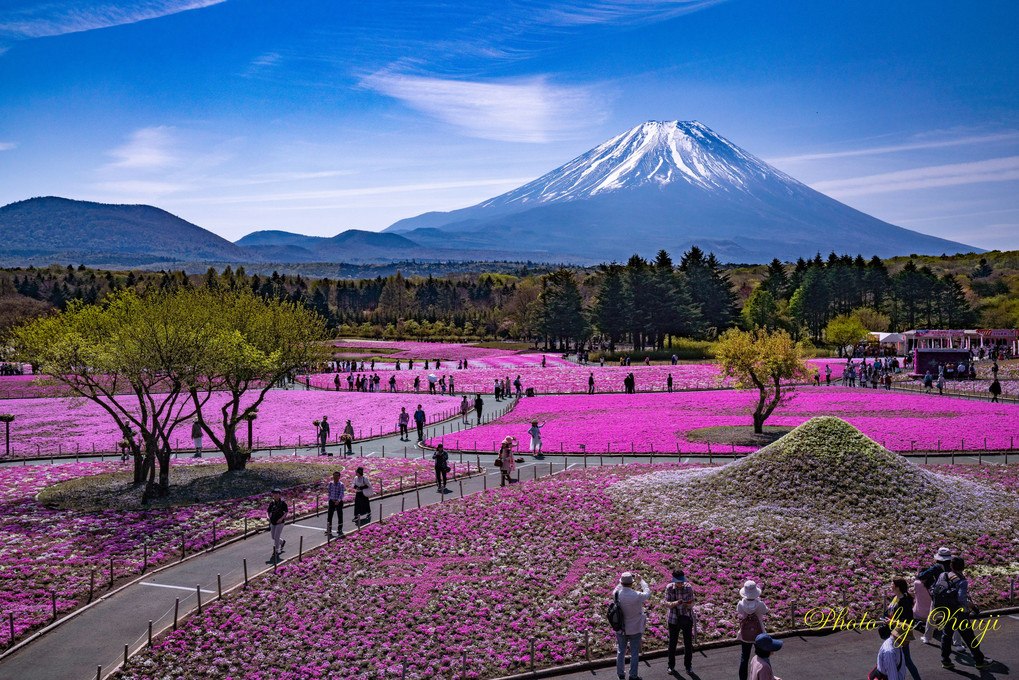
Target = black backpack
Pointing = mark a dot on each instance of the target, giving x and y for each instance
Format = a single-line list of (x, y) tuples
[(945, 592), (614, 614)]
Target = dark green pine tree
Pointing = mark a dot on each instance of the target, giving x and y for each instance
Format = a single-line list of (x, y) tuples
[(710, 288), (610, 316), (776, 281)]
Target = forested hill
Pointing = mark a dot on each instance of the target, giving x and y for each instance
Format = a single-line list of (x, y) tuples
[(64, 230)]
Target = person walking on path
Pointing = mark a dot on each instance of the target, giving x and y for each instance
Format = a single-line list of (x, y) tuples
[(679, 599), (479, 404), (417, 384), (336, 382), (631, 601), (890, 657), (362, 506), (941, 384), (277, 514), (196, 437), (465, 409), (827, 375), (507, 465), (404, 421), (899, 616), (348, 436), (928, 381), (392, 383), (590, 383), (925, 580), (760, 665), (535, 432), (335, 491), (668, 383), (995, 390), (419, 421), (750, 613), (951, 591), (441, 459), (323, 435), (518, 386)]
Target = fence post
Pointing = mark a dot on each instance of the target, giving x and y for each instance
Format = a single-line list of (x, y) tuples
[(198, 593), (125, 656), (150, 632), (464, 665), (10, 621), (111, 572), (53, 599), (532, 655), (176, 611), (219, 586), (245, 572), (91, 585), (587, 645), (145, 558), (300, 548)]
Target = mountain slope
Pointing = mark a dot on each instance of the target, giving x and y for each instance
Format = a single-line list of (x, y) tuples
[(670, 185), (81, 231)]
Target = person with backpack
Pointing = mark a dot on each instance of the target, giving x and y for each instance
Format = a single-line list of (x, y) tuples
[(995, 390), (925, 580), (679, 599), (404, 421), (750, 613), (950, 592), (900, 614), (630, 602), (465, 409)]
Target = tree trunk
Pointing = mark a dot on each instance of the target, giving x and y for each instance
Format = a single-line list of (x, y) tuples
[(759, 422)]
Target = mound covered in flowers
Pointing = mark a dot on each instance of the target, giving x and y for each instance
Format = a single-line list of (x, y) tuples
[(536, 562)]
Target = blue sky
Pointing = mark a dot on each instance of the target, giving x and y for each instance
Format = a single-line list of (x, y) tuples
[(317, 116)]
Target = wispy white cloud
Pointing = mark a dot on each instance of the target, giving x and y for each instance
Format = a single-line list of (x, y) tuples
[(531, 110), (146, 149), (617, 11), (130, 190), (22, 19), (992, 170), (7, 146), (327, 194), (894, 148)]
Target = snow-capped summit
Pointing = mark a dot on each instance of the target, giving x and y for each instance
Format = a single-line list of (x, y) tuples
[(667, 185), (655, 152)]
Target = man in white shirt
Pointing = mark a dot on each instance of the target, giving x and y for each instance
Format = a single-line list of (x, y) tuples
[(632, 602)]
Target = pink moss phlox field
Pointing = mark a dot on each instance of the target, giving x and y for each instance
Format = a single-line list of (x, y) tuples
[(444, 351), (557, 378), (619, 423), (44, 550), (285, 416), (486, 575)]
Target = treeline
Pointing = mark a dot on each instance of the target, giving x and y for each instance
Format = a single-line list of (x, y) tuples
[(643, 303), (814, 292)]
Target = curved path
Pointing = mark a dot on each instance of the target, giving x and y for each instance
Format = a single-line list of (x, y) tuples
[(93, 637)]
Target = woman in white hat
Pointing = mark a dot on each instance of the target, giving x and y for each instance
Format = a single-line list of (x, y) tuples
[(750, 613), (507, 464), (925, 580)]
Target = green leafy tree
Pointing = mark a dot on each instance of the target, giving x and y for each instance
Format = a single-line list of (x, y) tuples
[(559, 305), (845, 331), (134, 357), (761, 360), (761, 310), (257, 343)]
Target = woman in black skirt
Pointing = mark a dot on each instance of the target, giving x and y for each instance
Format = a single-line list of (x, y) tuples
[(362, 506)]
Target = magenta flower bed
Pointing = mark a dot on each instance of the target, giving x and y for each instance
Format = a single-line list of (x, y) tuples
[(42, 427), (444, 351), (556, 378), (659, 422), (486, 576)]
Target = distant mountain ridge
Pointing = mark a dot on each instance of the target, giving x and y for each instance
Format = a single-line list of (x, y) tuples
[(82, 231), (670, 185)]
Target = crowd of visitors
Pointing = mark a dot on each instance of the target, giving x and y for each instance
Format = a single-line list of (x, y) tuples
[(940, 610)]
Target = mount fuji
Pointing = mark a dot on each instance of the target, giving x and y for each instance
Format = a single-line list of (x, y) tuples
[(667, 185)]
